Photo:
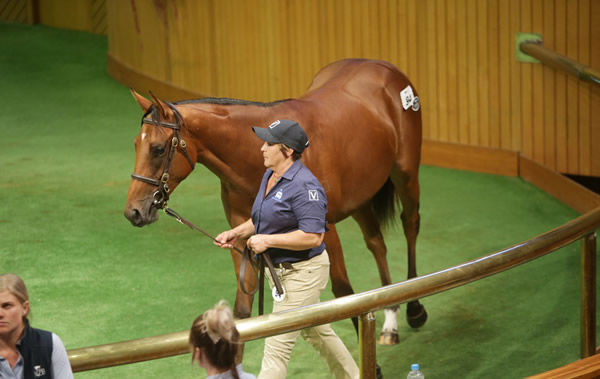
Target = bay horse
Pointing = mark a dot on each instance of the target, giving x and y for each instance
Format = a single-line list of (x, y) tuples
[(364, 148)]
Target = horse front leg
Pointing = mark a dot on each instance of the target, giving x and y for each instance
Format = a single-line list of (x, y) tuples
[(243, 302), (340, 284)]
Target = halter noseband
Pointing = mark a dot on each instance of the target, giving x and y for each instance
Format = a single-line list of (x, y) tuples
[(161, 195)]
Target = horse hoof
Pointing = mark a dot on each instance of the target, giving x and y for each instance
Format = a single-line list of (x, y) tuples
[(378, 373), (416, 314), (388, 338)]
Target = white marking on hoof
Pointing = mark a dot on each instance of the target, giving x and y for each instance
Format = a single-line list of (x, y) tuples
[(390, 325)]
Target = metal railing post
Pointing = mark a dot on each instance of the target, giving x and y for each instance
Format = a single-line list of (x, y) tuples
[(588, 295), (366, 338)]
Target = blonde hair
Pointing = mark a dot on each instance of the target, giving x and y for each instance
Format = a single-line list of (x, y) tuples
[(215, 333), (16, 286)]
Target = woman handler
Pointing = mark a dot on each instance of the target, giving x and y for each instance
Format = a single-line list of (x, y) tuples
[(288, 223)]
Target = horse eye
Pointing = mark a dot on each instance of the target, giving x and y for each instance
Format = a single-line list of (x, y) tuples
[(157, 151)]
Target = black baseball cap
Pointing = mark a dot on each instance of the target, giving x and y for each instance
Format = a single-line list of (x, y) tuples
[(287, 132)]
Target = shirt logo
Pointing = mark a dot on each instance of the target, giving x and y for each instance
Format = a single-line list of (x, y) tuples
[(39, 371), (313, 195), (278, 195)]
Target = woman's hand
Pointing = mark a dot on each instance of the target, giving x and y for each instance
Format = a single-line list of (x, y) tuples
[(226, 240), (258, 243)]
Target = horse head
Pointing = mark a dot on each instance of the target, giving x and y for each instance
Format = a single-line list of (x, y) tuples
[(163, 160)]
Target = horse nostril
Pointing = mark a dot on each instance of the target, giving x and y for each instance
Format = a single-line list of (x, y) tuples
[(134, 216)]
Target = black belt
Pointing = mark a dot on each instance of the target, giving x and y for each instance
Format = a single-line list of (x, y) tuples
[(286, 265)]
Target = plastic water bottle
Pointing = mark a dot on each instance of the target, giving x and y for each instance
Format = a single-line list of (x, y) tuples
[(415, 373)]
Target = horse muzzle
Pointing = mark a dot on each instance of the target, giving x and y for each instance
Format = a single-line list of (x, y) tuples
[(141, 216)]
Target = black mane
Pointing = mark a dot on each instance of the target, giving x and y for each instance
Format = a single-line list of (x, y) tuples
[(227, 101)]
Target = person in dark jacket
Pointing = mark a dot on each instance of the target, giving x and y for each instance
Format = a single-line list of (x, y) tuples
[(26, 352)]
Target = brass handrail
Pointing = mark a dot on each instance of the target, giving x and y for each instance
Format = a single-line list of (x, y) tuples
[(555, 60), (349, 306)]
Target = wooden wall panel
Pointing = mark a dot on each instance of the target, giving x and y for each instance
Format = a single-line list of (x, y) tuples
[(594, 91), (20, 11), (459, 54), (85, 15)]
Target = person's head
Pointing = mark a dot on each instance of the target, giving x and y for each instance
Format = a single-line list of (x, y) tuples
[(14, 303), (286, 136), (214, 338)]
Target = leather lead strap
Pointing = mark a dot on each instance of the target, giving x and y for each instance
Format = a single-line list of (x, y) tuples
[(246, 255), (261, 286)]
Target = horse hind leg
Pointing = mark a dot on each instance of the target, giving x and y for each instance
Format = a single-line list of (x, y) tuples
[(371, 230), (407, 187), (340, 284)]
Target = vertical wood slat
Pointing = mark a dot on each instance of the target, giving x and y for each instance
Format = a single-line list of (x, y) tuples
[(560, 27), (483, 77), (462, 79), (538, 127), (526, 87), (515, 82), (442, 66), (584, 89), (493, 104), (572, 90), (460, 56), (549, 125), (432, 79), (595, 93), (473, 59), (505, 52)]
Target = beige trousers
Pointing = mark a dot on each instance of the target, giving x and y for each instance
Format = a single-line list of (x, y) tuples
[(303, 285)]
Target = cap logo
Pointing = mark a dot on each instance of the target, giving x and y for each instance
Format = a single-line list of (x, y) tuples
[(274, 124)]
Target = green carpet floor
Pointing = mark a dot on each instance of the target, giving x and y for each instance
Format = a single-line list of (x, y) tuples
[(66, 153)]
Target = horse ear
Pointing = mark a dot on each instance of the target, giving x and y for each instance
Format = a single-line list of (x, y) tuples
[(160, 105), (142, 101)]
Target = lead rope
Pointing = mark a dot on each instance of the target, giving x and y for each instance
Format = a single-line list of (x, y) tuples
[(246, 255)]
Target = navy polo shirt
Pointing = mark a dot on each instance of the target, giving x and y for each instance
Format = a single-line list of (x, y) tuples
[(296, 202)]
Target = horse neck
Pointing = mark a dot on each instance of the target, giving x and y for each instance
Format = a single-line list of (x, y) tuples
[(225, 143)]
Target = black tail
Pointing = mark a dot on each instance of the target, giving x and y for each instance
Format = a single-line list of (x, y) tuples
[(384, 204)]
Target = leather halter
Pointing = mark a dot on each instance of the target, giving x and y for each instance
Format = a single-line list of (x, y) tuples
[(161, 195)]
